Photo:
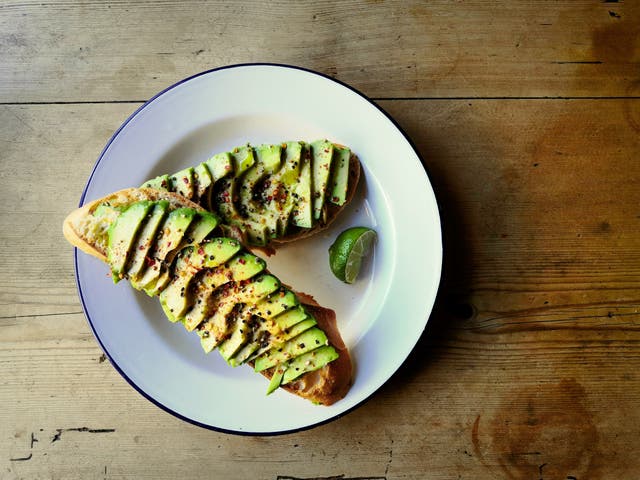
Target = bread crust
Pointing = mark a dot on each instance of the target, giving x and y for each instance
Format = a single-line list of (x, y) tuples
[(324, 386)]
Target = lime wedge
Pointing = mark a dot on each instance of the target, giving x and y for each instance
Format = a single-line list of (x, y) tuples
[(348, 250)]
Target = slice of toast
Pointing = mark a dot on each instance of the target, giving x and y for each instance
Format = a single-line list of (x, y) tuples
[(268, 199), (87, 228)]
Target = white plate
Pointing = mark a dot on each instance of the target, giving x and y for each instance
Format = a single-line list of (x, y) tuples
[(381, 317)]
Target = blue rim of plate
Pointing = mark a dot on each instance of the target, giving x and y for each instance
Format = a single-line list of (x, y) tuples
[(75, 256)]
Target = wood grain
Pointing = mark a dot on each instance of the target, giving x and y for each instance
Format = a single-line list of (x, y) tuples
[(528, 367), (95, 51)]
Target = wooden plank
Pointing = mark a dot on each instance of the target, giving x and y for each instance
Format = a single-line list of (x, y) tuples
[(112, 50), (528, 367)]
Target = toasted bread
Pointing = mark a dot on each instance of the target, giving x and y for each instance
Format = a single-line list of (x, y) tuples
[(86, 230), (225, 202)]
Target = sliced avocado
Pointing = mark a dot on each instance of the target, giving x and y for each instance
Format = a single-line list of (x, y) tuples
[(340, 175), (159, 283), (291, 317), (276, 303), (283, 324), (219, 166), (122, 235), (202, 181), (243, 325), (303, 209), (308, 362), (303, 343), (239, 268), (276, 378), (146, 240), (299, 327), (249, 208), (182, 183), (321, 156), (224, 199), (175, 297), (287, 182), (216, 328), (258, 221), (291, 169), (270, 156), (219, 250), (169, 237), (279, 336), (243, 158), (259, 190), (161, 182), (260, 339), (267, 328), (257, 233), (201, 226)]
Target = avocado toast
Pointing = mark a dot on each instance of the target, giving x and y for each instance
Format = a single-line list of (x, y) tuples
[(172, 248), (272, 193)]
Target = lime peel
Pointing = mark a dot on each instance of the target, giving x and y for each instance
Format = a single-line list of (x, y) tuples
[(348, 250)]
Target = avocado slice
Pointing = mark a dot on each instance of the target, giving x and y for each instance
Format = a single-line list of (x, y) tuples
[(303, 343), (162, 182), (276, 189), (298, 328), (270, 156), (182, 183), (267, 188), (303, 209), (291, 317), (242, 158), (170, 235), (226, 194), (279, 336), (201, 226), (287, 182), (122, 235), (340, 175), (178, 297), (202, 181), (175, 297), (219, 166), (224, 197), (243, 324), (216, 328), (260, 339), (257, 233), (241, 267), (258, 220), (249, 208), (308, 362), (159, 283), (276, 303), (321, 156), (276, 378), (265, 311), (146, 240)]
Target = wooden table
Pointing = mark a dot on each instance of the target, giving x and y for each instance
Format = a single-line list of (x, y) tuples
[(527, 115)]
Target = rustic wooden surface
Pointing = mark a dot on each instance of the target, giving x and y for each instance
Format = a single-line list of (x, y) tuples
[(528, 117)]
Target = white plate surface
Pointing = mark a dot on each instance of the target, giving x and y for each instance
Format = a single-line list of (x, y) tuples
[(380, 317)]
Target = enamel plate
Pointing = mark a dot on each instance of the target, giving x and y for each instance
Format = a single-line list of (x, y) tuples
[(380, 317)]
